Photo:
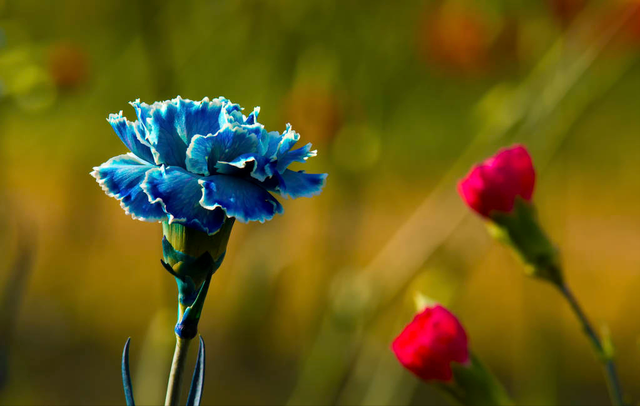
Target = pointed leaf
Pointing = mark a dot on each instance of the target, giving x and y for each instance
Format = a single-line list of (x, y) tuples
[(126, 376), (197, 383)]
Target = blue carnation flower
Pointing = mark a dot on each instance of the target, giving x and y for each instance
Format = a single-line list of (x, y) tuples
[(198, 163)]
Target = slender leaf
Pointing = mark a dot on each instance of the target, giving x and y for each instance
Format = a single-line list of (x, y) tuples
[(197, 383), (126, 376)]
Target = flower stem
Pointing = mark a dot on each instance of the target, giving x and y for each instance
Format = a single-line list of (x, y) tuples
[(177, 371), (615, 392)]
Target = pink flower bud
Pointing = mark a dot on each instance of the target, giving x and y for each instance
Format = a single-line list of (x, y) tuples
[(429, 344), (494, 184)]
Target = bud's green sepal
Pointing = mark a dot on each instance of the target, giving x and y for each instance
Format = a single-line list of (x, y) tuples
[(474, 384), (520, 230)]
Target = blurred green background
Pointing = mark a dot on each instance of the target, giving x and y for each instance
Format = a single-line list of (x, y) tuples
[(400, 98)]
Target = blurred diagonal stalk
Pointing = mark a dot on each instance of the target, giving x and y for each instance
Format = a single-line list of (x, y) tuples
[(12, 296), (520, 114), (603, 355)]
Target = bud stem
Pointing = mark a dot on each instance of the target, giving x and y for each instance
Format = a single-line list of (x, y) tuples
[(615, 391), (474, 384), (177, 371)]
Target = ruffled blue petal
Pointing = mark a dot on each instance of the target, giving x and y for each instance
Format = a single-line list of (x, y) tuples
[(274, 145), (170, 148), (289, 138), (142, 111), (170, 126), (238, 198), (179, 193), (269, 142), (203, 117), (159, 121), (297, 155), (233, 141), (132, 135), (198, 153), (226, 145), (233, 114), (297, 184), (253, 117), (254, 165), (120, 177)]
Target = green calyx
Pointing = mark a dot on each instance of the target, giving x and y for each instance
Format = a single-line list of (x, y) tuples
[(474, 384), (192, 257), (192, 254), (194, 243), (520, 230)]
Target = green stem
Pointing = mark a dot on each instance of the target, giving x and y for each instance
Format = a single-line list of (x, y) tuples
[(177, 372), (615, 392)]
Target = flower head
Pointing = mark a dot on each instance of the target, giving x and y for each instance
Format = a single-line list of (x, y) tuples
[(430, 343), (494, 185), (500, 189), (197, 163)]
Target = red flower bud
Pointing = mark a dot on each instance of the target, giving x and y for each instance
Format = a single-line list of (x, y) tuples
[(494, 184), (429, 344)]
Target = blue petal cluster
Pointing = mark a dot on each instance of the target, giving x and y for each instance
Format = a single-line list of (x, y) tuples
[(197, 163)]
